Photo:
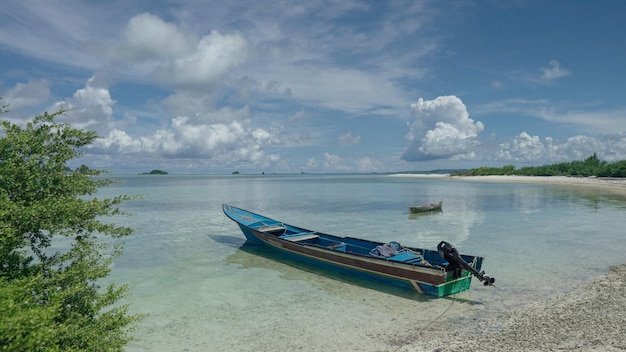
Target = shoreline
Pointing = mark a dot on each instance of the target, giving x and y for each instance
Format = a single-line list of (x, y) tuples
[(614, 184), (590, 318)]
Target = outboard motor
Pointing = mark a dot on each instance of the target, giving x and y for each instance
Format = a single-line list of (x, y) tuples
[(449, 253)]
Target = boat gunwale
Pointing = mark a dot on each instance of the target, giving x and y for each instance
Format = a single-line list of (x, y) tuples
[(377, 261)]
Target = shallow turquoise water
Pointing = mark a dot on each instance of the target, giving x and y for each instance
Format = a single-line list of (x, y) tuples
[(205, 291)]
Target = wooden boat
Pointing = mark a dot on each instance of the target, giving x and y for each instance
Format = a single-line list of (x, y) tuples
[(437, 273), (425, 207)]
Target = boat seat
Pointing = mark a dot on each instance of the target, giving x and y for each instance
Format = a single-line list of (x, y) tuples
[(301, 236), (338, 246), (416, 261), (407, 257), (270, 228), (402, 256)]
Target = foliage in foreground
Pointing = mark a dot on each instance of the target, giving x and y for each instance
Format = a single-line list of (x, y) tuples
[(592, 166), (53, 250)]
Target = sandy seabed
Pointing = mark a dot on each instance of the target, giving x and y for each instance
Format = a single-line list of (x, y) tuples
[(591, 318)]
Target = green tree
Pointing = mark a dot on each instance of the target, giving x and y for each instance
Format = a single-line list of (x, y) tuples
[(55, 247), (592, 166)]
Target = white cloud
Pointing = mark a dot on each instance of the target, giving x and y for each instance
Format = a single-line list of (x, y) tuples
[(91, 106), (120, 141), (333, 162), (367, 164), (224, 136), (531, 149), (178, 59), (201, 107), (548, 74), (184, 139), (311, 164), (93, 99), (524, 148), (215, 55), (442, 129), (349, 139), (25, 95), (614, 147), (554, 71), (148, 37)]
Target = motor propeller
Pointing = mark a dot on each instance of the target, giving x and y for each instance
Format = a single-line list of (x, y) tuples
[(450, 253)]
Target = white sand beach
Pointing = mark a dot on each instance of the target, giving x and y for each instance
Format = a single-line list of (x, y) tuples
[(616, 184), (591, 318)]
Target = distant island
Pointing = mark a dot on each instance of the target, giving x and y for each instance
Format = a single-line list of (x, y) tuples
[(154, 172)]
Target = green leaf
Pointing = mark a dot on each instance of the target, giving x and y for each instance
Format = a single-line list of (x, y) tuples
[(51, 299)]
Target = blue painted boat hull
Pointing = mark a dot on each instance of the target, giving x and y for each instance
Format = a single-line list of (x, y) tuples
[(422, 270)]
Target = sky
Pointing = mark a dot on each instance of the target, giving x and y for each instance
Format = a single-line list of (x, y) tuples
[(322, 86)]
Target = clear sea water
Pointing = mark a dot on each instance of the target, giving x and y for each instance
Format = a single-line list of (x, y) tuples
[(204, 290)]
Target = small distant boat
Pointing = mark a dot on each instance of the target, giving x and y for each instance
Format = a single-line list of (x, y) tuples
[(437, 273), (426, 207)]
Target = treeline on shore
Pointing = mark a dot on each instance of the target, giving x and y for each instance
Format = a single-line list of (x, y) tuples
[(592, 166)]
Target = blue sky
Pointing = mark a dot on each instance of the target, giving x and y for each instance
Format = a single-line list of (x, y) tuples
[(322, 86)]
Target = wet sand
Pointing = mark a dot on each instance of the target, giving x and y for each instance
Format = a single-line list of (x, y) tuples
[(591, 318)]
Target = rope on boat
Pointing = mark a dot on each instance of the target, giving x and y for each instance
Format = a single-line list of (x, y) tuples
[(456, 297), (223, 221)]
